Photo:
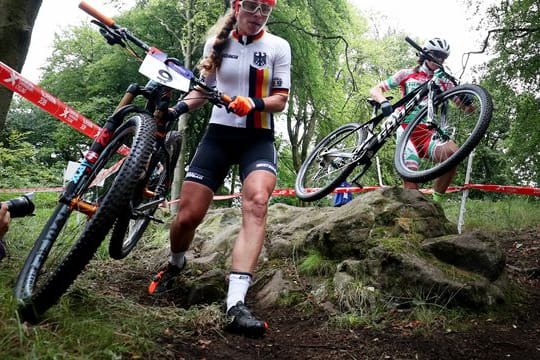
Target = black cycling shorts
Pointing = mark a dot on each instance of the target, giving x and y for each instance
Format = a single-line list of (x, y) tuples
[(224, 146)]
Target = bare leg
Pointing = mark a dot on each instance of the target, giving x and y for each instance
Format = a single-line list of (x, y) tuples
[(195, 199), (410, 185), (256, 190), (442, 153)]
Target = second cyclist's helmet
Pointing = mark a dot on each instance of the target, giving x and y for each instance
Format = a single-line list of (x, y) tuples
[(437, 45)]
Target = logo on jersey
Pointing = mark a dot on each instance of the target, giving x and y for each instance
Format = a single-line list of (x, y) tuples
[(230, 56), (259, 58), (277, 82)]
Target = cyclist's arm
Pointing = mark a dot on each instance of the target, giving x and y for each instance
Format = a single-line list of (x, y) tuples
[(276, 102), (195, 99), (377, 93)]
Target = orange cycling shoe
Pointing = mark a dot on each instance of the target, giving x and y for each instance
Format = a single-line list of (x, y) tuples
[(164, 279)]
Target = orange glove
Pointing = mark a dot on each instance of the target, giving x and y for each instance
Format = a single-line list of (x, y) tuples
[(242, 105)]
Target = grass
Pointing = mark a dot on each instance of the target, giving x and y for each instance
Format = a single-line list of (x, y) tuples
[(96, 323), (510, 213), (87, 323), (315, 264)]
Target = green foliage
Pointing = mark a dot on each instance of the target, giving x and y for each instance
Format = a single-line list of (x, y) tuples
[(316, 264), (320, 34), (516, 33), (21, 164), (524, 140), (513, 79)]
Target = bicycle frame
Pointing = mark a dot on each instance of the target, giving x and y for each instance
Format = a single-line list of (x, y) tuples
[(158, 98), (369, 148)]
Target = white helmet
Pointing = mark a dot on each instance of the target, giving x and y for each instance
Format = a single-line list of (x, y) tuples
[(437, 45)]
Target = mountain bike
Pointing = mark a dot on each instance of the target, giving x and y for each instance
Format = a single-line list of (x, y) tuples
[(121, 181), (461, 114)]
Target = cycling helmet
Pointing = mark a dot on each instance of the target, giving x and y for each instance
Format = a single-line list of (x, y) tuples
[(437, 45)]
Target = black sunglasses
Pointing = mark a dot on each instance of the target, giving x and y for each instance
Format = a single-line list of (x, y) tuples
[(438, 55)]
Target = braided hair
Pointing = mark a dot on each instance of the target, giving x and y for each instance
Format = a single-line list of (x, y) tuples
[(223, 28)]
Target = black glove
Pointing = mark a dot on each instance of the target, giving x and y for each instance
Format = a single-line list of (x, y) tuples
[(180, 108), (387, 108)]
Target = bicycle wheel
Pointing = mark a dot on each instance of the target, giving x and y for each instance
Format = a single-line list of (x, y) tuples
[(329, 163), (69, 240), (462, 115), (129, 228)]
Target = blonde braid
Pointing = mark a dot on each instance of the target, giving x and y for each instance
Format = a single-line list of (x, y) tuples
[(212, 63)]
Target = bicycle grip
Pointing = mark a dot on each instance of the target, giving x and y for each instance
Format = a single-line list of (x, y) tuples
[(226, 98), (413, 44), (92, 11)]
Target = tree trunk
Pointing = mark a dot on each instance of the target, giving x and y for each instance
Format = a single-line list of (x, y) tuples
[(179, 171), (17, 19)]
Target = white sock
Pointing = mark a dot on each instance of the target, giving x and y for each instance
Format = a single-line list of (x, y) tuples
[(178, 259), (238, 286)]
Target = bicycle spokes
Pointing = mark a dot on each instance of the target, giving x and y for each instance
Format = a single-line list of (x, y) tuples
[(460, 119)]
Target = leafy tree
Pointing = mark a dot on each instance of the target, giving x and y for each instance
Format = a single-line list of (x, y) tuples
[(318, 34), (513, 79), (516, 35), (21, 166)]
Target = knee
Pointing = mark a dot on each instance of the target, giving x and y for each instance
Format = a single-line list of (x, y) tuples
[(188, 220), (256, 205)]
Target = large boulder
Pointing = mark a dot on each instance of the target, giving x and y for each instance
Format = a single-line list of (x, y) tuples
[(392, 243)]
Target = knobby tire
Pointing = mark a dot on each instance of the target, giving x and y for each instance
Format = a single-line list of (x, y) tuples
[(130, 227), (36, 297), (322, 172), (465, 129)]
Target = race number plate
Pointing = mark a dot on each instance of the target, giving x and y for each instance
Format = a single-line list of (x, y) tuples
[(174, 77)]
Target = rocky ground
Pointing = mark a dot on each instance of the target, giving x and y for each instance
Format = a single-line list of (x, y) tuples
[(512, 332)]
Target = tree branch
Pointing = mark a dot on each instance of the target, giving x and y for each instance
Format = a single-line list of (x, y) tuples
[(324, 37), (485, 43)]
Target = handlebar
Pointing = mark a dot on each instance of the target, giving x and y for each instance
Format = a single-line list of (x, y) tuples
[(419, 48), (95, 13), (114, 34)]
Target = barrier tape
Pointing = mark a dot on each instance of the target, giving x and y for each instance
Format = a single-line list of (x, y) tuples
[(15, 82), (508, 189), (36, 95)]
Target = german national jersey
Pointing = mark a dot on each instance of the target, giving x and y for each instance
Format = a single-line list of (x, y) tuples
[(254, 66)]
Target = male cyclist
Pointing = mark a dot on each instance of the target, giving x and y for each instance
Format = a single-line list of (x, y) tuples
[(408, 80)]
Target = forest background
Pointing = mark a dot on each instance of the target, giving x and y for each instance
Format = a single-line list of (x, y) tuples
[(337, 57)]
